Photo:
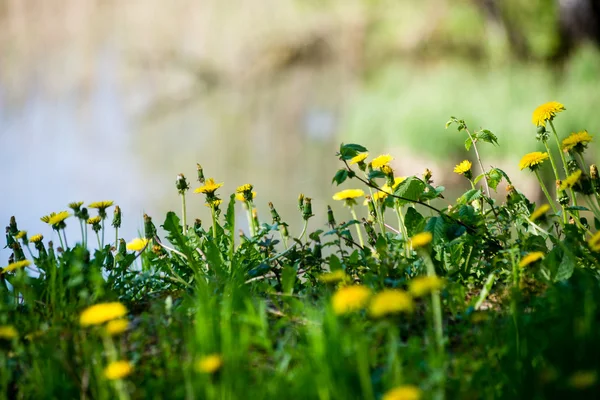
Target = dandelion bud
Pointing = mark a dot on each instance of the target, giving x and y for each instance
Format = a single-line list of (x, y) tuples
[(274, 214), (197, 224), (122, 247), (149, 228), (13, 226), (301, 202), (427, 175), (18, 251), (116, 222), (317, 251), (181, 184), (9, 238), (200, 173), (284, 230), (389, 173), (307, 211), (563, 198), (541, 129), (330, 218), (83, 214), (371, 206)]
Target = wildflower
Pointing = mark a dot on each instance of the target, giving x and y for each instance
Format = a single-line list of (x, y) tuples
[(387, 170), (380, 161), (464, 168), (21, 235), (181, 184), (118, 370), (117, 216), (16, 265), (404, 392), (214, 203), (423, 285), (209, 364), (350, 298), (240, 196), (36, 238), (576, 141), (209, 187), (137, 244), (244, 188), (594, 242), (377, 196), (333, 277), (570, 181), (546, 112), (55, 219), (359, 158), (200, 173), (583, 379), (532, 160), (101, 313), (8, 332), (101, 205), (94, 220), (117, 326), (76, 206), (390, 301), (348, 194), (538, 212), (421, 239), (530, 258)]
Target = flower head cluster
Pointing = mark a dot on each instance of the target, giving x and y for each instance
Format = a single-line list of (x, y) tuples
[(8, 332), (101, 206), (100, 313), (530, 258), (137, 244), (349, 196), (209, 364), (118, 370), (594, 242), (546, 112), (117, 326), (390, 301), (570, 180), (533, 160), (209, 189), (576, 141), (464, 168), (245, 193), (16, 265), (36, 238), (380, 161), (56, 220), (422, 285), (350, 299), (421, 239)]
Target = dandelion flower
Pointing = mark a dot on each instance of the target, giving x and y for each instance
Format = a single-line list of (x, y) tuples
[(348, 194), (55, 218), (209, 187), (117, 326), (214, 203), (118, 370), (244, 188), (546, 112), (240, 196), (577, 141), (101, 205), (532, 160), (101, 313), (390, 301), (21, 235), (36, 238), (538, 212), (380, 161), (350, 299), (333, 277), (377, 196), (359, 158), (8, 332), (422, 285), (570, 181), (209, 364), (404, 392), (137, 244), (594, 242), (16, 265), (75, 205), (463, 168), (94, 220), (530, 258), (421, 239)]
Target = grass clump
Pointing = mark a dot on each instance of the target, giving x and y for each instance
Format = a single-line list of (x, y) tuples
[(476, 298)]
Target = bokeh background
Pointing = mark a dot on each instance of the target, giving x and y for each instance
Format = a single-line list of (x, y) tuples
[(106, 99)]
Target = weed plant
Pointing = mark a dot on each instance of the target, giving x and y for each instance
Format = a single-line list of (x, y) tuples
[(478, 299)]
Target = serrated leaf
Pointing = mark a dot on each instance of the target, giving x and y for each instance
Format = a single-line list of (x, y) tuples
[(478, 178), (487, 136), (468, 144), (413, 221), (470, 196), (436, 226), (410, 189), (340, 176), (503, 174)]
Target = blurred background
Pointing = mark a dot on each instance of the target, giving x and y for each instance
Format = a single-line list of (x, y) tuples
[(105, 99)]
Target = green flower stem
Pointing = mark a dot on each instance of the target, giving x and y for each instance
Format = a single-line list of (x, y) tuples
[(65, 235), (402, 228), (252, 225), (98, 237), (60, 238), (360, 237), (184, 214), (102, 234), (556, 175), (550, 201), (82, 233), (303, 230), (564, 162), (378, 213), (111, 354), (214, 221)]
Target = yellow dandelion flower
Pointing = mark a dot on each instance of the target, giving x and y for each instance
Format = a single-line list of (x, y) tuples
[(16, 265), (380, 161), (209, 187), (421, 239), (117, 326), (463, 167), (377, 196), (397, 181), (538, 212), (214, 203), (570, 181), (333, 277), (94, 220), (348, 194), (577, 141), (101, 205), (530, 258), (137, 244), (244, 188), (75, 205), (56, 218), (209, 364), (118, 370), (546, 112), (532, 160), (404, 392), (36, 238), (101, 313), (594, 242), (8, 332), (350, 299), (583, 379), (240, 196), (359, 158), (422, 285), (390, 301), (20, 235)]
